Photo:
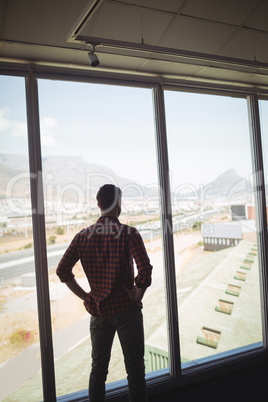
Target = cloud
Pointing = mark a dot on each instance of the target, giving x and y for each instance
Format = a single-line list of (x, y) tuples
[(48, 134), (19, 129), (13, 127)]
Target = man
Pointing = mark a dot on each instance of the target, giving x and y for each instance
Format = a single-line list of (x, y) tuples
[(106, 250)]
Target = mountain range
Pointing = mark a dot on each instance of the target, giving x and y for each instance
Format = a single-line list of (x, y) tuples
[(66, 170)]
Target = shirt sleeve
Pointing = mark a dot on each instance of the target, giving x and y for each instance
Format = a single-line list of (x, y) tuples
[(66, 264), (139, 253)]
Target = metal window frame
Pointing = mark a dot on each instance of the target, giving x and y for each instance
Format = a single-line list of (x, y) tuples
[(181, 83), (260, 203), (167, 232), (39, 237), (162, 381)]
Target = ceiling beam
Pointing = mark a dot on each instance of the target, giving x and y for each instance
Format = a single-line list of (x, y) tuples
[(106, 44)]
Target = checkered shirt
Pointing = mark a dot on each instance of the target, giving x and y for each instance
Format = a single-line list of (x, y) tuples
[(106, 251)]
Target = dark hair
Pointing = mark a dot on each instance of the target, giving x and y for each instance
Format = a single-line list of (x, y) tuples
[(108, 196)]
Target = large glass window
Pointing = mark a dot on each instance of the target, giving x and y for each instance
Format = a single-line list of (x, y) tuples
[(95, 134), (19, 339), (213, 211), (263, 105), (91, 135)]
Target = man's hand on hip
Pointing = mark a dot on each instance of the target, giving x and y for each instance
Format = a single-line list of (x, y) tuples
[(135, 294), (76, 289)]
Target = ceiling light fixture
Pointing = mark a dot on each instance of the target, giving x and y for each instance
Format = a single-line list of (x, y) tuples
[(93, 58)]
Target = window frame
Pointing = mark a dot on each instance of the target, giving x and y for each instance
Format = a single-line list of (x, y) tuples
[(166, 379)]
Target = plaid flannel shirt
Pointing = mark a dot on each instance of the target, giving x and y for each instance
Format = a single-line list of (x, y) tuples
[(106, 251)]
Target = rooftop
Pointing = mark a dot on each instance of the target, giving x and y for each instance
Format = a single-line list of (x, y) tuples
[(222, 230)]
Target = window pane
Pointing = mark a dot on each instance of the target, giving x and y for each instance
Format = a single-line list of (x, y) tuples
[(263, 105), (91, 135), (214, 224), (19, 341)]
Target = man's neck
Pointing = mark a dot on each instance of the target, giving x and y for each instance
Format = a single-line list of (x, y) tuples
[(110, 215)]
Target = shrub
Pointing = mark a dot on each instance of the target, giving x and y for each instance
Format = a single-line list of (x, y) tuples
[(28, 245), (59, 230), (197, 225), (21, 338), (51, 240)]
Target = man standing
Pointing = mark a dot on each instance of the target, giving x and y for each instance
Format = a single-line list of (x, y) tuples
[(106, 250)]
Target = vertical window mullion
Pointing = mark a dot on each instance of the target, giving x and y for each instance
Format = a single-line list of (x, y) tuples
[(39, 235), (261, 215), (167, 232)]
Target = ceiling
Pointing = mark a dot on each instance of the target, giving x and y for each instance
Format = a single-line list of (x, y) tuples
[(194, 40)]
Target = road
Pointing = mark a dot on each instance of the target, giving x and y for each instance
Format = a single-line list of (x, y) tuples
[(15, 264)]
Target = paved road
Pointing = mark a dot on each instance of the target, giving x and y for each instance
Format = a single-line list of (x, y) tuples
[(15, 264)]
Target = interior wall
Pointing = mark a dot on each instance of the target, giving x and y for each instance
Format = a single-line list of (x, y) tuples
[(248, 384)]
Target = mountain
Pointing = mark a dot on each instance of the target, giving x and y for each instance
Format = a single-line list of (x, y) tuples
[(228, 182), (68, 174), (15, 162), (11, 179), (227, 186)]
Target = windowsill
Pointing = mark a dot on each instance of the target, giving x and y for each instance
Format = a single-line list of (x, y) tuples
[(191, 372), (222, 358)]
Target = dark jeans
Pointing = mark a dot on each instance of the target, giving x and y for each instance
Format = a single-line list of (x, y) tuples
[(129, 326)]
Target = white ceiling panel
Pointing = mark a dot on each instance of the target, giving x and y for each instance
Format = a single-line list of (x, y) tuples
[(112, 19), (168, 5), (257, 80), (39, 55), (118, 62), (226, 11), (259, 19), (247, 45), (116, 21), (154, 26), (242, 45), (260, 45), (221, 73), (39, 21), (163, 68), (164, 5), (198, 36)]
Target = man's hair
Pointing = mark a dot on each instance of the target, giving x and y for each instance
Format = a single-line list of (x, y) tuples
[(108, 196)]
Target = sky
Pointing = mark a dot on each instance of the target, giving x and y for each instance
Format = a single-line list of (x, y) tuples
[(113, 126)]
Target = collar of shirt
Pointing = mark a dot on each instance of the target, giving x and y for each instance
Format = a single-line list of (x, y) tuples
[(106, 218)]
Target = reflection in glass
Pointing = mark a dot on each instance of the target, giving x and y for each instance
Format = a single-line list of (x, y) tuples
[(19, 341), (263, 105), (92, 135), (214, 224)]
